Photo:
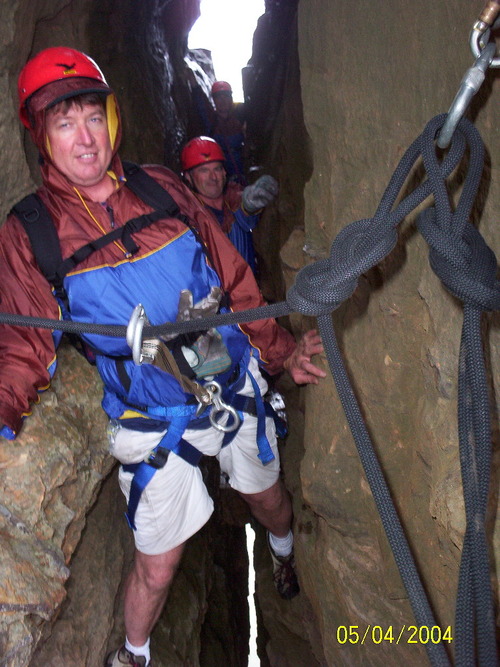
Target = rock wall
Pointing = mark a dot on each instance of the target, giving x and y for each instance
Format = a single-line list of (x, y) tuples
[(372, 75)]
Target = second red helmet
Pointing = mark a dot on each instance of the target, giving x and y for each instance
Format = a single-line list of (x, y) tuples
[(221, 87), (200, 150)]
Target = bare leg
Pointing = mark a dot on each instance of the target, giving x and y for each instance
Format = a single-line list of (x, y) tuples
[(146, 591), (272, 508)]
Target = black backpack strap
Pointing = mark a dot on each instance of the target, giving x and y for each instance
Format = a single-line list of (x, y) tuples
[(42, 234), (150, 192), (146, 188), (123, 234)]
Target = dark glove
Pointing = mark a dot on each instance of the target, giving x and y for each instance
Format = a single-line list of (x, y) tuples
[(259, 194)]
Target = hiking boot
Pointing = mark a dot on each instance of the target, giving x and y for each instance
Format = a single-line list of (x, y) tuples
[(284, 576), (123, 658)]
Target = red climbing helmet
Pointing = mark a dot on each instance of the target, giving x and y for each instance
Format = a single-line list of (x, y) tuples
[(221, 87), (59, 63), (199, 151)]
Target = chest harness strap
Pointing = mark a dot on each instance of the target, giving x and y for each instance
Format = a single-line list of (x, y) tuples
[(42, 233)]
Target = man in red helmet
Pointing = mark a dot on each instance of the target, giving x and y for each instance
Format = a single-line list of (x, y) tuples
[(225, 122), (236, 209), (179, 265)]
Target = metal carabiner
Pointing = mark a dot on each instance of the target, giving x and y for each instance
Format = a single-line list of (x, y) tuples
[(134, 333), (219, 407), (469, 86), (480, 34), (143, 351)]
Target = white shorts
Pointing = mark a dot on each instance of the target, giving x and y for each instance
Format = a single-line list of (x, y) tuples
[(175, 504)]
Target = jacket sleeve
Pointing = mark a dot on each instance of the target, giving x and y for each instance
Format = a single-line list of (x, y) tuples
[(242, 219), (27, 355)]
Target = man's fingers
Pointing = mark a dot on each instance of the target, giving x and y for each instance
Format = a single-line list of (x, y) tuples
[(310, 368)]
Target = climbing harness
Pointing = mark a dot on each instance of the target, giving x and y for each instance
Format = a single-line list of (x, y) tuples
[(467, 267)]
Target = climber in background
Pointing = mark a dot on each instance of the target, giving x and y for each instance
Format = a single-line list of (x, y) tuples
[(229, 129), (236, 209), (224, 122)]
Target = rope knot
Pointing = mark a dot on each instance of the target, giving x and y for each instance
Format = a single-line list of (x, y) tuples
[(465, 264), (321, 287)]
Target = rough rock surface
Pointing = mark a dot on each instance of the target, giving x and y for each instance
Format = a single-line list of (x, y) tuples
[(370, 82), (50, 477)]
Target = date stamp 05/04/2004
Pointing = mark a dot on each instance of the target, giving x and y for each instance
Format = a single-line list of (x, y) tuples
[(390, 634)]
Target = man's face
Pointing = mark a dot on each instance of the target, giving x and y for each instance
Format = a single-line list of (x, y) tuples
[(209, 179), (79, 143), (223, 102)]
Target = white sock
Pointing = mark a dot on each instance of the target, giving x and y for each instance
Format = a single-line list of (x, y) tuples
[(282, 546), (139, 650)]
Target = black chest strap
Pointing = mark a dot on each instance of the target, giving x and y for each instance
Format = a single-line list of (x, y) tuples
[(42, 233), (36, 220)]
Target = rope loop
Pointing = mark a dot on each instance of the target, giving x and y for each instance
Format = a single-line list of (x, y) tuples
[(321, 287), (465, 264)]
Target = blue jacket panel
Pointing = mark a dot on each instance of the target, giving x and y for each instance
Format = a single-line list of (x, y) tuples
[(155, 280)]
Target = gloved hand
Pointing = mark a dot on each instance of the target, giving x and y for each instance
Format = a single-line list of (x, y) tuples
[(259, 194), (208, 355), (207, 306), (187, 311)]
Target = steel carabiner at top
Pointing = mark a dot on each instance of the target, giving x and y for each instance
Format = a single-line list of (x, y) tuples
[(488, 20), (484, 52), (469, 86)]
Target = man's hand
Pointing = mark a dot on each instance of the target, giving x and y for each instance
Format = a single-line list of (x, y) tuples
[(299, 364), (260, 194)]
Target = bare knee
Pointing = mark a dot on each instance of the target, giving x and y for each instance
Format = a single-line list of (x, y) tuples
[(156, 572), (269, 500)]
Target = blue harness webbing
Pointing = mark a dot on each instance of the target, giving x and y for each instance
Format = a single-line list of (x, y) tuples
[(143, 471), (173, 441), (262, 409)]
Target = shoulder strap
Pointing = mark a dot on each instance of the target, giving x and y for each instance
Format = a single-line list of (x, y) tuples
[(41, 231), (149, 191)]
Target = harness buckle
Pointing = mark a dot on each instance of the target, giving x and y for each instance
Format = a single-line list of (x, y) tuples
[(220, 407), (157, 458)]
